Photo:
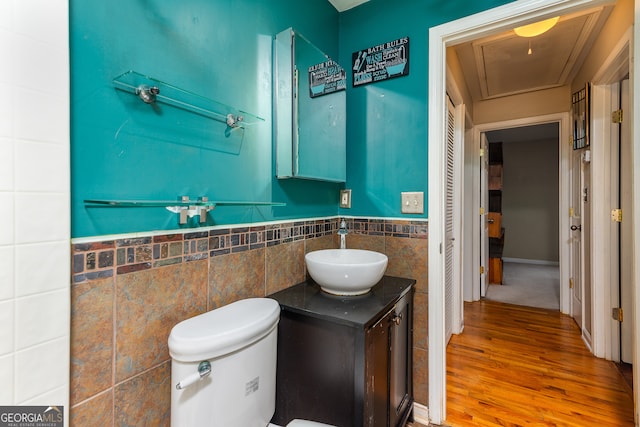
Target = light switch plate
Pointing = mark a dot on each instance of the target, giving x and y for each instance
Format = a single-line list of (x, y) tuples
[(345, 199), (412, 202)]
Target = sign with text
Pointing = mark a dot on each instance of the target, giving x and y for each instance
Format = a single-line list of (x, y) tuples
[(381, 62), (326, 77), (31, 416)]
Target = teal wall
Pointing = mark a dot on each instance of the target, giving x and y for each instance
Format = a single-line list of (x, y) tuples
[(387, 121), (125, 149)]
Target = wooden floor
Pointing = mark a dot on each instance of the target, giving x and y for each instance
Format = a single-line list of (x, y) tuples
[(515, 366)]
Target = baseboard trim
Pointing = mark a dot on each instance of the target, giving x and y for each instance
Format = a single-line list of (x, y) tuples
[(530, 261), (420, 414)]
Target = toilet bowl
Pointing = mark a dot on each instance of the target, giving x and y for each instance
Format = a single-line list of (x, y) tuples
[(223, 367)]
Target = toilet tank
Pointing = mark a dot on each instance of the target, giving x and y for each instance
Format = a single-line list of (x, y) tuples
[(239, 341)]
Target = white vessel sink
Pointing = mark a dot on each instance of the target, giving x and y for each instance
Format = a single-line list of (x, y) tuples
[(346, 271)]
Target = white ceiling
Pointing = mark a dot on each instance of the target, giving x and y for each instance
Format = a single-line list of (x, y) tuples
[(499, 65), (342, 5)]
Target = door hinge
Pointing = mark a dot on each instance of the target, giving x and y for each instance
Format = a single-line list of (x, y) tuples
[(570, 212), (616, 215), (481, 211), (482, 269), (570, 283), (482, 152), (616, 313), (617, 116)]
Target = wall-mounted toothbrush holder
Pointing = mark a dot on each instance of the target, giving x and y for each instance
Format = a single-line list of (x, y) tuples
[(151, 90), (184, 206)]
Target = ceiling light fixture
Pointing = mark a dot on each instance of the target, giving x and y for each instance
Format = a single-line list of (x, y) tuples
[(536, 28)]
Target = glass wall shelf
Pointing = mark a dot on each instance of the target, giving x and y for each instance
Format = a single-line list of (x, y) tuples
[(172, 203), (151, 90), (185, 207)]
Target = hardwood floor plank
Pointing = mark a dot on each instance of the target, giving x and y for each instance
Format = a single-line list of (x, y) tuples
[(515, 366)]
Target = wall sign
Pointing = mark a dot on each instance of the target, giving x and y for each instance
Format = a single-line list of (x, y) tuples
[(381, 62), (326, 77)]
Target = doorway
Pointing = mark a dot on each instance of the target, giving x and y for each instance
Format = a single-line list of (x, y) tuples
[(440, 37), (530, 218), (524, 197)]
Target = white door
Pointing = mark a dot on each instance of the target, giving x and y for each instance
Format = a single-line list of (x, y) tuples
[(581, 292), (587, 292), (626, 231), (484, 209), (576, 237), (449, 237)]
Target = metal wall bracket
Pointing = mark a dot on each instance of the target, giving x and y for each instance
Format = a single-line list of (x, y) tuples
[(199, 208)]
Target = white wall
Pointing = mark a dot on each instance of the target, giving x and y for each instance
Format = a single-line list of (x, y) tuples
[(34, 203), (530, 200), (523, 105)]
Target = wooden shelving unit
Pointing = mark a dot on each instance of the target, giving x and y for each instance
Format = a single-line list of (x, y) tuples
[(496, 231)]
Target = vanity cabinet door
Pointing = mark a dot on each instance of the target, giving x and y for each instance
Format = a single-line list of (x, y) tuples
[(389, 368), (400, 366), (377, 373)]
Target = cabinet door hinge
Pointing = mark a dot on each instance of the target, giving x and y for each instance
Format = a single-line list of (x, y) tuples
[(616, 313), (617, 116), (616, 215)]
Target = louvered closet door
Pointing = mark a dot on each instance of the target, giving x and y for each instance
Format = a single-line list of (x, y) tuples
[(448, 221)]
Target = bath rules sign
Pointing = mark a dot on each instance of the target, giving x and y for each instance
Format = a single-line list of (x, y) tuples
[(326, 77), (381, 62)]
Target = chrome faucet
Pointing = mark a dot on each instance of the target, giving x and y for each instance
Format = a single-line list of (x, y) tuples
[(343, 234)]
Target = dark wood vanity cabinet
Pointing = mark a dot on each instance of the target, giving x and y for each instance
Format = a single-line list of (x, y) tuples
[(345, 361)]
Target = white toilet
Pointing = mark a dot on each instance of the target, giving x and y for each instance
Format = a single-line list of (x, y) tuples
[(223, 368)]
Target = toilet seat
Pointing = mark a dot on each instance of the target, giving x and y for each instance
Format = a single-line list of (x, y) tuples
[(303, 423)]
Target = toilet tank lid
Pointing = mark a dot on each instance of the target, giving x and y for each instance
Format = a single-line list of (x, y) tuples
[(223, 330)]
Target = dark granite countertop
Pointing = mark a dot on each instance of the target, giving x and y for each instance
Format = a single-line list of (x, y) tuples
[(358, 311)]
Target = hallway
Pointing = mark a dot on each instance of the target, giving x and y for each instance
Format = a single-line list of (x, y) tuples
[(532, 285), (516, 365)]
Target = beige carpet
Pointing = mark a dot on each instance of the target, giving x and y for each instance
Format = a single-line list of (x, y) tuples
[(532, 285)]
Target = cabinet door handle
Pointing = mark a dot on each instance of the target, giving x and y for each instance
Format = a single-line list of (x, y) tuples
[(397, 319)]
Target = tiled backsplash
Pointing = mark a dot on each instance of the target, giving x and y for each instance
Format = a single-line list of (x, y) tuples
[(127, 293), (104, 259)]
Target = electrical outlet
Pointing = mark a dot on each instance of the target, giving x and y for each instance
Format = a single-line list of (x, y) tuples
[(345, 199), (412, 202)]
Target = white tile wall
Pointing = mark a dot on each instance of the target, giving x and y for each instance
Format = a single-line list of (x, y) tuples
[(7, 345), (6, 157), (53, 258), (7, 374), (34, 203), (6, 272), (38, 371)]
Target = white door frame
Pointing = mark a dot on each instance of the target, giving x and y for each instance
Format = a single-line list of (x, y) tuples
[(462, 30), (605, 338), (564, 153)]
